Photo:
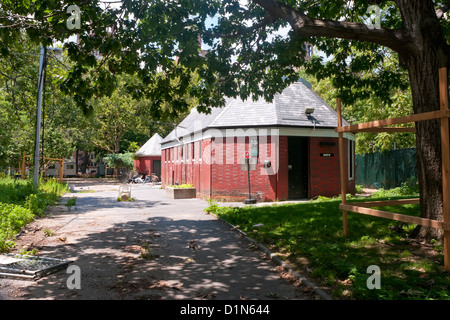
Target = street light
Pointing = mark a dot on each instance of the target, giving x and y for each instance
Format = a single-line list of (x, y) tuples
[(42, 66)]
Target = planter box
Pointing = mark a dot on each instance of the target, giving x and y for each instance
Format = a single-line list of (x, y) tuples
[(180, 193)]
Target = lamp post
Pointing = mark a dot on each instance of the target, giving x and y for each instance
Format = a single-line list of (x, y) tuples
[(42, 66), (43, 52)]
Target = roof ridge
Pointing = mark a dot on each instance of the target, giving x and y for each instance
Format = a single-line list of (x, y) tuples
[(287, 108), (150, 147), (225, 108)]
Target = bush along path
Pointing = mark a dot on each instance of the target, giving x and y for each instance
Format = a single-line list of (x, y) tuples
[(21, 202)]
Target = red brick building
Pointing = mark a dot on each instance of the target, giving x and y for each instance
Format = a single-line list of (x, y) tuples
[(291, 143), (149, 157)]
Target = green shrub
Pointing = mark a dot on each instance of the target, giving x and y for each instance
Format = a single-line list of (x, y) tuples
[(119, 160), (70, 203), (47, 232), (53, 188), (15, 191), (12, 219), (408, 188), (21, 202), (37, 203), (359, 188), (212, 206), (186, 185)]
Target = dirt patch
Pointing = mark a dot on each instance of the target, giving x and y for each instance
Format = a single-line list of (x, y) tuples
[(86, 185), (41, 231), (366, 192)]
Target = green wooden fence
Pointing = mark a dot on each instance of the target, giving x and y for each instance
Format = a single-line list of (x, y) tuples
[(387, 169)]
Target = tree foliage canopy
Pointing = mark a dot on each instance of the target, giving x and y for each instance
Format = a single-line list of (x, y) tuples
[(248, 56), (119, 160), (112, 124)]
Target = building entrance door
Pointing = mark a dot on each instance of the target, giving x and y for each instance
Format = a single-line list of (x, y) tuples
[(298, 168), (157, 168)]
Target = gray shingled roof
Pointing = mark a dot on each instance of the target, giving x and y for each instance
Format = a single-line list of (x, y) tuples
[(287, 109), (152, 147)]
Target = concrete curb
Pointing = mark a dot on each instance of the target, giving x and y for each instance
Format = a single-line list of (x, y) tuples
[(278, 261)]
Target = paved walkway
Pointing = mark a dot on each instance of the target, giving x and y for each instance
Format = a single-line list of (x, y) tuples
[(151, 248)]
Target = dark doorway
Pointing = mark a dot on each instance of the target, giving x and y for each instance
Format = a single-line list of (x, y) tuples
[(157, 168), (298, 167)]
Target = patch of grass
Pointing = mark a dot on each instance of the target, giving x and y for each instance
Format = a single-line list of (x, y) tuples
[(312, 232), (32, 252), (70, 203), (47, 232), (146, 252)]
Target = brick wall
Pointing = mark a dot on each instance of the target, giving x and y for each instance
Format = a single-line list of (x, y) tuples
[(180, 167), (325, 170), (230, 182), (144, 165), (218, 173)]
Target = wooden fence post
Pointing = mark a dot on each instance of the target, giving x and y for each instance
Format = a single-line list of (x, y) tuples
[(445, 150), (343, 170)]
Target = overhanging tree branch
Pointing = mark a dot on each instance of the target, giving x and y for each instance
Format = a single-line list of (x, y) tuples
[(305, 26)]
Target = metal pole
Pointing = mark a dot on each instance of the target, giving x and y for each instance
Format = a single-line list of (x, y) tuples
[(38, 116), (248, 178), (342, 167), (249, 200)]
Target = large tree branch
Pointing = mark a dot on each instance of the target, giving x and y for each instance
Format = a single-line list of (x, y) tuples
[(398, 40)]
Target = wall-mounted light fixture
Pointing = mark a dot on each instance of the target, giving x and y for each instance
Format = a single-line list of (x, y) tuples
[(309, 111)]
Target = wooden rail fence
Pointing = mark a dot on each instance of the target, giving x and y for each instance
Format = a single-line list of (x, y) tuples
[(380, 126)]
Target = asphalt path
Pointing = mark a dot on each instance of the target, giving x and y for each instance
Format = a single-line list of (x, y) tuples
[(153, 248)]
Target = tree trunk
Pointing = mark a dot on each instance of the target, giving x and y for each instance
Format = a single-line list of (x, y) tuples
[(424, 86), (423, 62)]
